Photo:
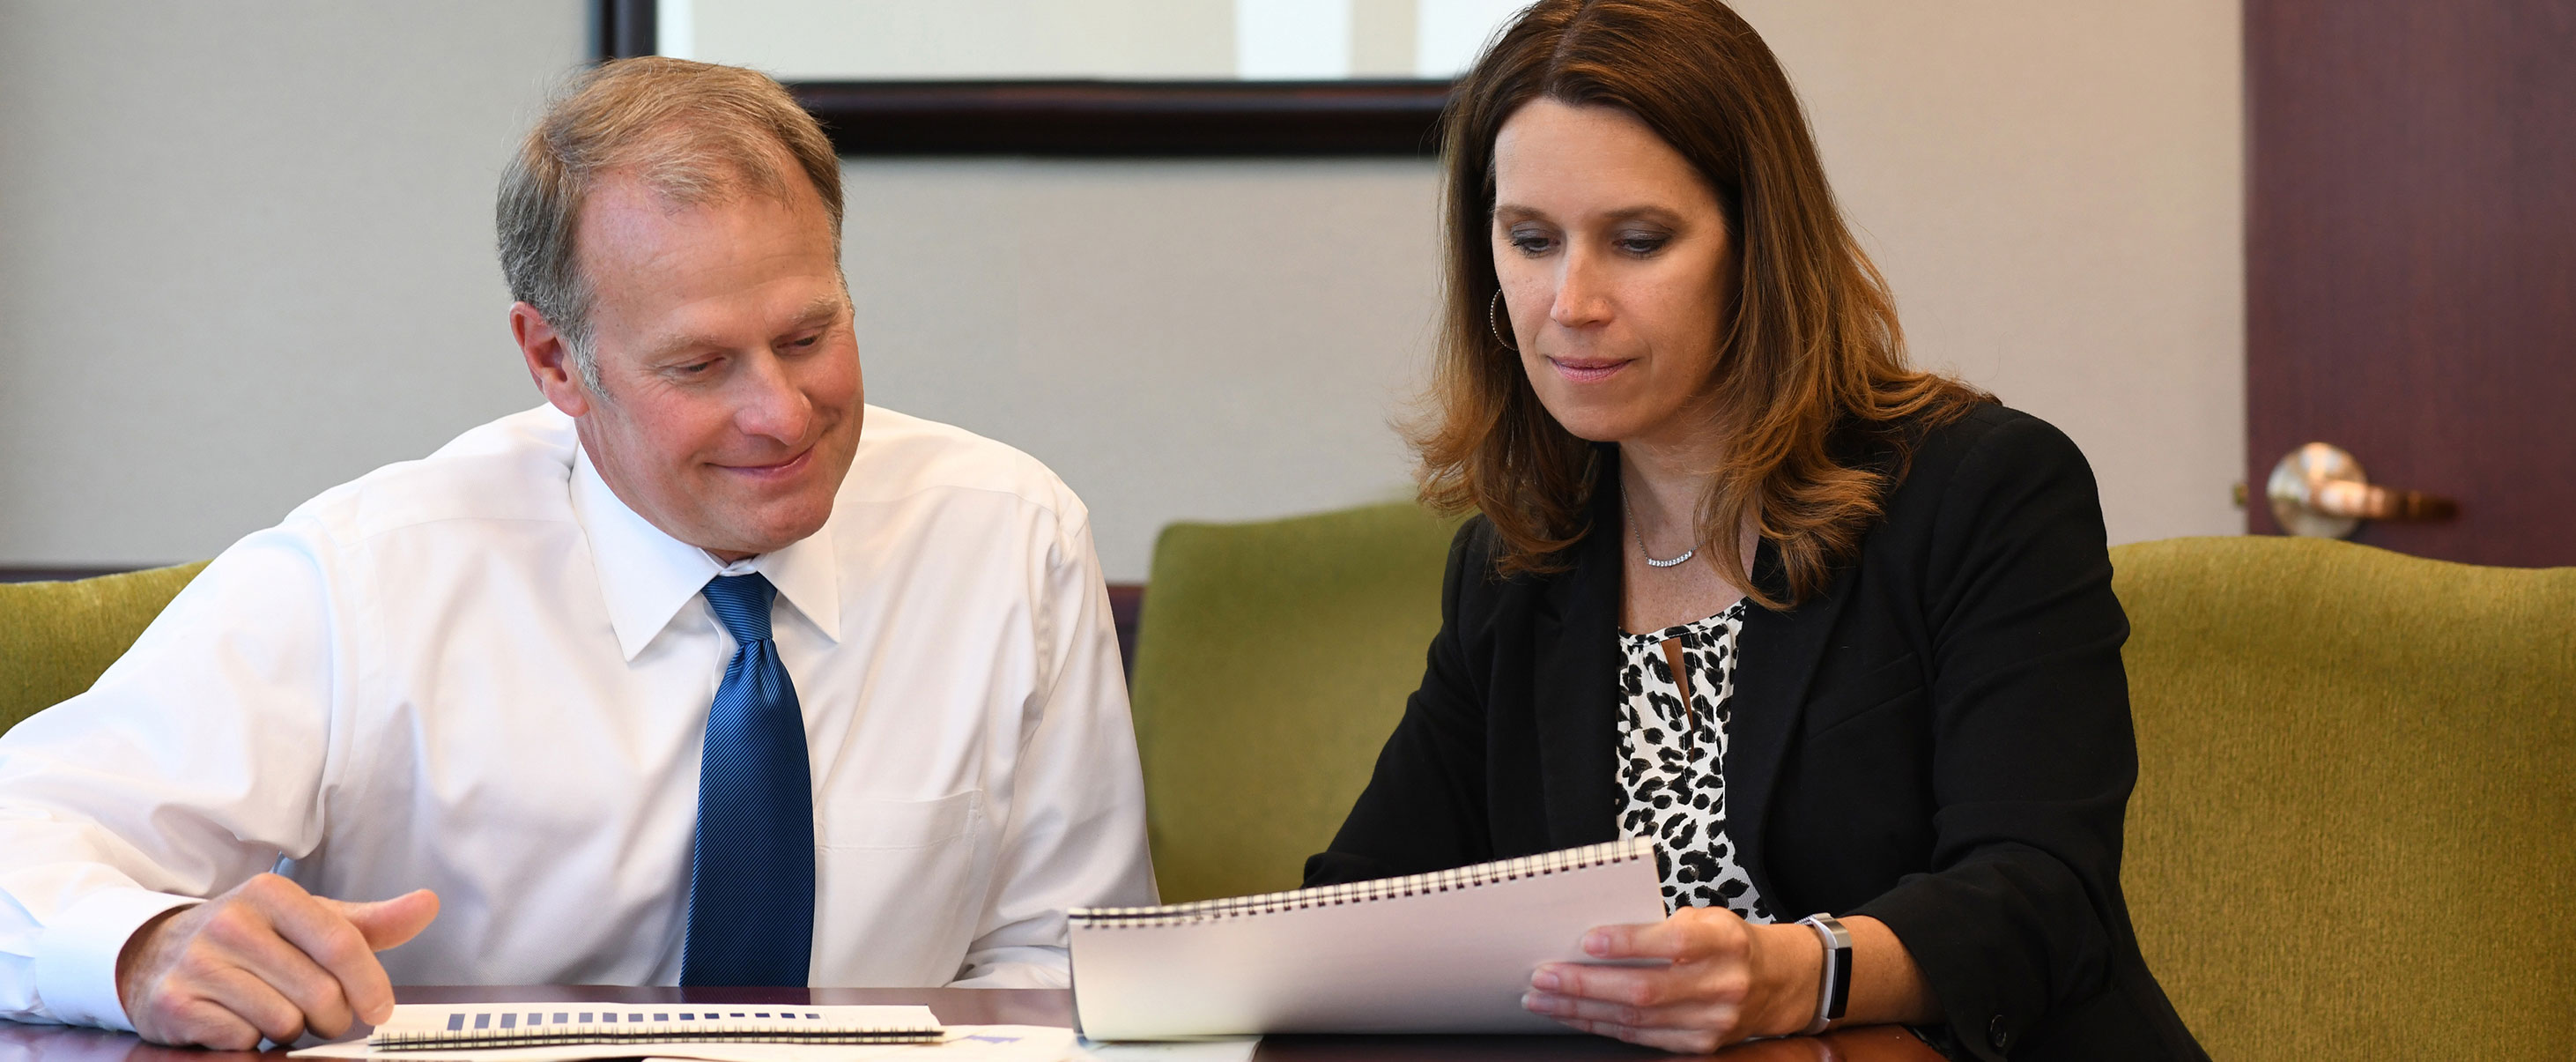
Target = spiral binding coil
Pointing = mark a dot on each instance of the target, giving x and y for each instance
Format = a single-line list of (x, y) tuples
[(1474, 877), (709, 1027)]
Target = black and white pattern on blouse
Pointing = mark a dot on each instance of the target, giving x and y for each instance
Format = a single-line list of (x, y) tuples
[(1672, 786)]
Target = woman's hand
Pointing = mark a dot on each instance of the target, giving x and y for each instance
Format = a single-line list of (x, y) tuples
[(1727, 981)]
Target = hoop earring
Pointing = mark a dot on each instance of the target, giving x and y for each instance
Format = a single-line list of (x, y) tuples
[(1494, 321)]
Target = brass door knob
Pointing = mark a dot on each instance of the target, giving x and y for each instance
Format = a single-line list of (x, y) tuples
[(2320, 491)]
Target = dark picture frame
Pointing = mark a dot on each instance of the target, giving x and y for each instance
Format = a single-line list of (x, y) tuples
[(1096, 118)]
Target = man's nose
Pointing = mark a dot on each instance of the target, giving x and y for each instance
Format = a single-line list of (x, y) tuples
[(771, 405)]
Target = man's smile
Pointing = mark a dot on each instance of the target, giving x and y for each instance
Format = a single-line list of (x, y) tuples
[(785, 469)]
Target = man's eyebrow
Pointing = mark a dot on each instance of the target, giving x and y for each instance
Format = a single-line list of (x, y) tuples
[(822, 309), (671, 343)]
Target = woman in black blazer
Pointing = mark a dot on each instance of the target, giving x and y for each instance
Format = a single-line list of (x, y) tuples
[(1838, 634)]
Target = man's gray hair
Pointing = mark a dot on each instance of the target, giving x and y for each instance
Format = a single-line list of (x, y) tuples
[(694, 133)]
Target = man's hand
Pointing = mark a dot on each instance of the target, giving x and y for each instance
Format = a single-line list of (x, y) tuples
[(1727, 981), (267, 959)]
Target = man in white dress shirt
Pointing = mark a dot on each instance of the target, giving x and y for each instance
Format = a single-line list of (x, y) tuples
[(494, 679)]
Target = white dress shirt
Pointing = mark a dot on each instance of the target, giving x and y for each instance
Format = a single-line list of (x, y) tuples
[(483, 674)]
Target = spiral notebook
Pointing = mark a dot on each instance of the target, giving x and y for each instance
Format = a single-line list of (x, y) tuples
[(1449, 952), (435, 1027)]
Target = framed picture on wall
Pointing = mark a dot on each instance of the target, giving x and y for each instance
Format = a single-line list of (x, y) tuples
[(1088, 77)]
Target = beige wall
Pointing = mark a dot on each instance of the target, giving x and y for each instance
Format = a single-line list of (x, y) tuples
[(843, 39), (2055, 190), (2052, 188), (1179, 340), (245, 254)]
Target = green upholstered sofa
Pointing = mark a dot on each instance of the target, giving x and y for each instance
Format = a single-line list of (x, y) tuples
[(1272, 660), (56, 637), (2354, 832)]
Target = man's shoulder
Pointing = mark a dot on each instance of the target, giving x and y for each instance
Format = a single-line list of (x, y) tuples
[(511, 469), (902, 456)]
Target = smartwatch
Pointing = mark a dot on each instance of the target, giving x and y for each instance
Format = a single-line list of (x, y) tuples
[(1835, 994)]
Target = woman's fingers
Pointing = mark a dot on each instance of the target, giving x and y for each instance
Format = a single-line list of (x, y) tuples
[(1713, 1015), (1678, 1041), (1692, 1002), (1652, 940), (1633, 986), (1682, 999), (1692, 933)]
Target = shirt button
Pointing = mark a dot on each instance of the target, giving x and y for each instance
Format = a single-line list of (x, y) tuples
[(1996, 1034)]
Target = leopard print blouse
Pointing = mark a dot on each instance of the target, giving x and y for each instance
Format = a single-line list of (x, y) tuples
[(1671, 783)]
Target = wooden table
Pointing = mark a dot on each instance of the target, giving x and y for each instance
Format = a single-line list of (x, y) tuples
[(968, 1006)]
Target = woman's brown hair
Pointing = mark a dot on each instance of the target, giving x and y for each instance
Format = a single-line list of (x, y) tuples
[(1813, 352)]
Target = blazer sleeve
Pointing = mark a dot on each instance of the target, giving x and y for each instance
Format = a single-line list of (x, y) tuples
[(2032, 755), (1424, 808)]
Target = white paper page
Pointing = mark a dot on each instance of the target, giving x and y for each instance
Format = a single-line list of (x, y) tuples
[(496, 1018), (358, 1049), (1219, 1049), (434, 1016), (963, 1043), (1453, 960)]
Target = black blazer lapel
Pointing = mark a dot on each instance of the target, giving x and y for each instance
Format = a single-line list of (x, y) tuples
[(1776, 655), (1575, 679)]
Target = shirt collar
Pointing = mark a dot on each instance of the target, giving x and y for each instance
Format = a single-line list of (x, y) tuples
[(647, 577)]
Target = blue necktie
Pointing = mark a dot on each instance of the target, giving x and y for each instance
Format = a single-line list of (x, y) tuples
[(751, 881)]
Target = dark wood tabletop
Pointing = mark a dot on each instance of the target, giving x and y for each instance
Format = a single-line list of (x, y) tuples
[(999, 1006)]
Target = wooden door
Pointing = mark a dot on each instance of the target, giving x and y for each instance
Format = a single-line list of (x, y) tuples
[(2411, 260)]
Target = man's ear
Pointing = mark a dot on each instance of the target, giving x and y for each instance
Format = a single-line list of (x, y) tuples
[(549, 360)]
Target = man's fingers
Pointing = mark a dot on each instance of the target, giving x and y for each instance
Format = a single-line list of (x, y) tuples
[(255, 1002), (382, 924), (267, 959), (200, 1023), (310, 954), (282, 957), (344, 938), (179, 1014), (389, 923)]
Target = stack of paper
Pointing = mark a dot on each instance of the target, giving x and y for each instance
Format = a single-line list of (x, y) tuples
[(565, 1032), (1449, 952)]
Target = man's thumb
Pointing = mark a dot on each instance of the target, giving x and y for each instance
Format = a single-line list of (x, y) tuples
[(387, 923)]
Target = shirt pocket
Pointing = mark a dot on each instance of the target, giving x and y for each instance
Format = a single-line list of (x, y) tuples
[(899, 888)]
